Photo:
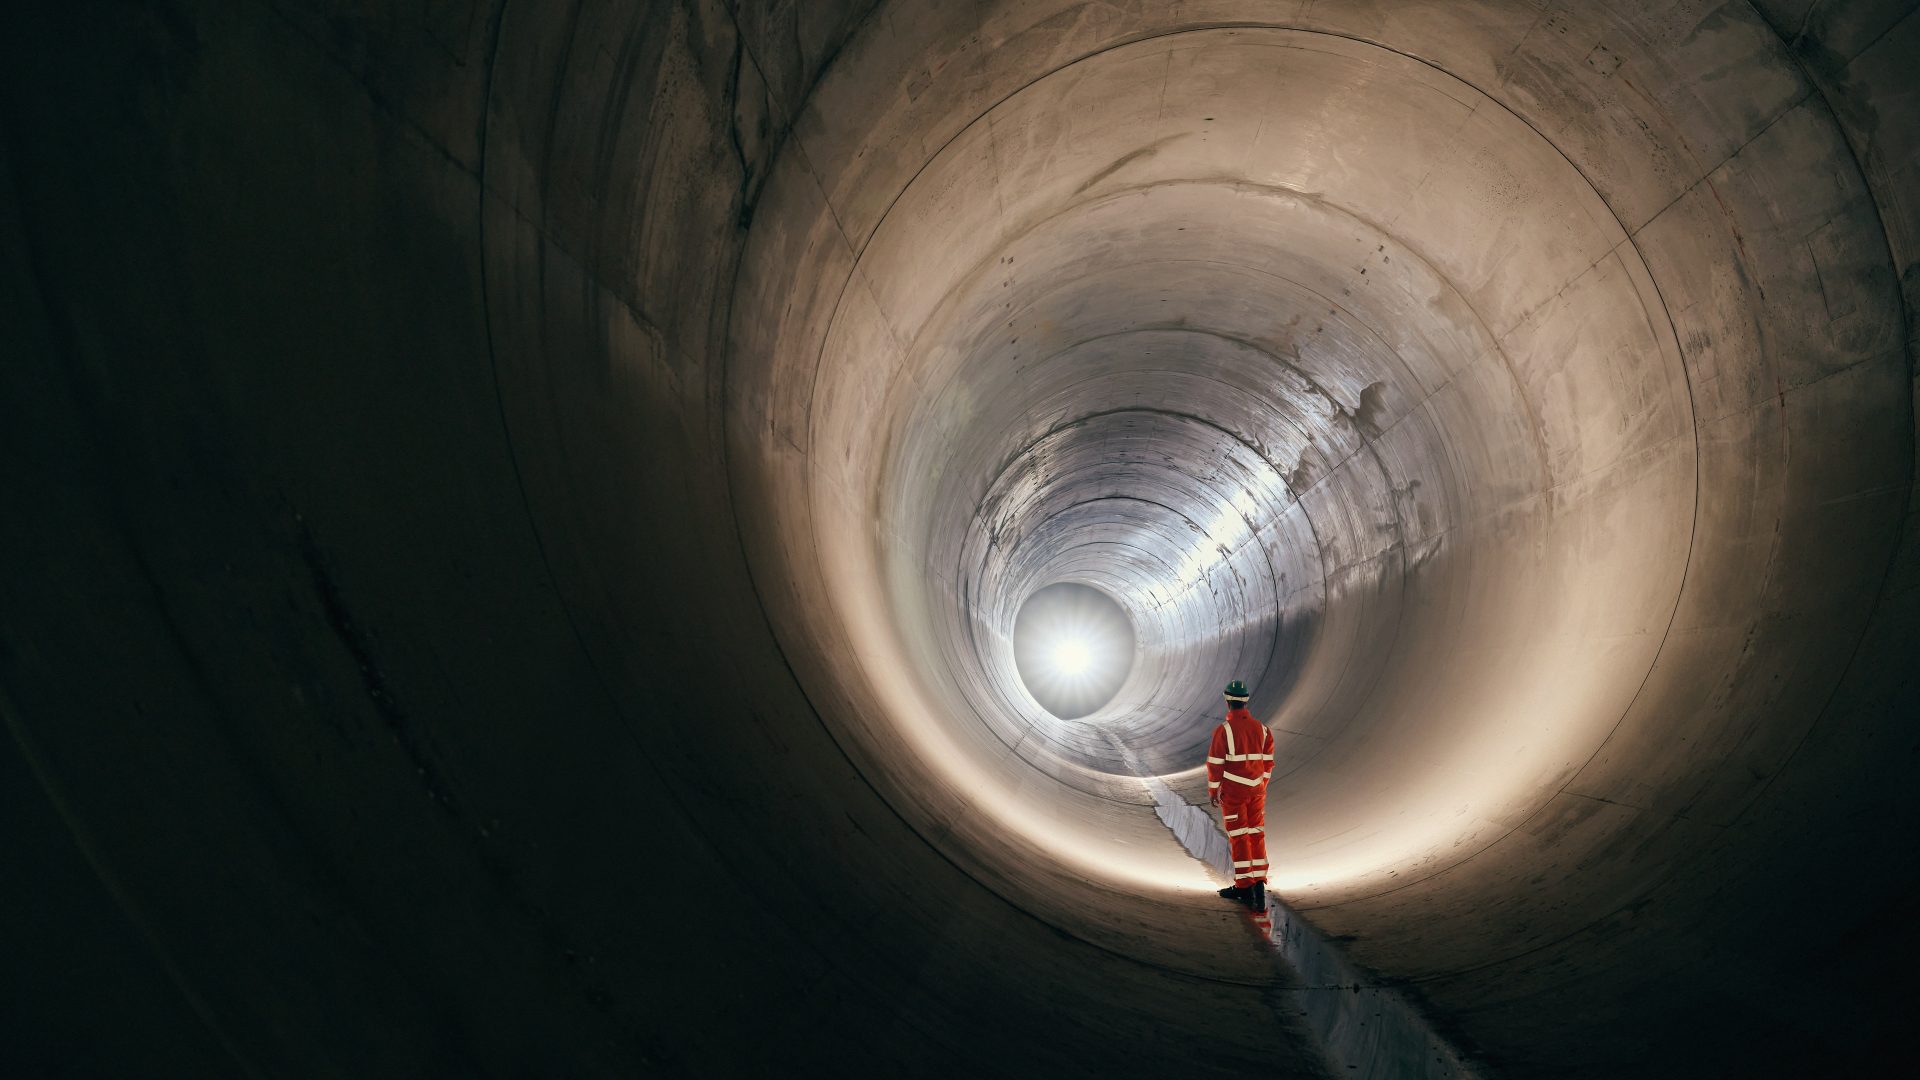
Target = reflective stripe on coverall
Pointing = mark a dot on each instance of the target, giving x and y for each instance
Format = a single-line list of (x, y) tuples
[(1239, 764)]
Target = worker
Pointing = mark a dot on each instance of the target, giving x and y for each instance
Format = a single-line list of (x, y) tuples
[(1239, 764)]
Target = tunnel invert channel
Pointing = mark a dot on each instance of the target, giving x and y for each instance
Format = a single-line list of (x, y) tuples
[(520, 510)]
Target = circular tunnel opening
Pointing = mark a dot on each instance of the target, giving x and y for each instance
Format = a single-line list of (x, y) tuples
[(1398, 436), (1518, 397), (1074, 647)]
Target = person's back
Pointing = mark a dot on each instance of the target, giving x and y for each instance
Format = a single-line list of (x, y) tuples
[(1239, 764)]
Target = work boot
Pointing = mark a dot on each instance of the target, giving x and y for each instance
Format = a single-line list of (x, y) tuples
[(1259, 900), (1234, 892)]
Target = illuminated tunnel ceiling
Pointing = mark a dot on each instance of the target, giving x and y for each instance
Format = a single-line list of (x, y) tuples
[(526, 509)]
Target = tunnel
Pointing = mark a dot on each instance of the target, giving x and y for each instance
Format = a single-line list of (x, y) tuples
[(519, 514)]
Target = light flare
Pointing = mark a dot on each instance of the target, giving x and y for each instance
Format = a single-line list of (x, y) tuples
[(1073, 647), (1072, 657)]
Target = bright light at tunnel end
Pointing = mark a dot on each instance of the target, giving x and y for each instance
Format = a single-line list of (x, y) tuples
[(1072, 657), (1073, 647)]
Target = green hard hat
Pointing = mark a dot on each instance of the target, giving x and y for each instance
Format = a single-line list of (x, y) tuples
[(1237, 691)]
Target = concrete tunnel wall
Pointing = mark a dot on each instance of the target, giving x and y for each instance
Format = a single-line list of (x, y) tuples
[(518, 512)]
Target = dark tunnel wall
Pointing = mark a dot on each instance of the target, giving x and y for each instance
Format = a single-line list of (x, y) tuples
[(458, 524)]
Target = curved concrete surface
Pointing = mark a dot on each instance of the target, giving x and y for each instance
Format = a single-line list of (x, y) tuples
[(520, 512)]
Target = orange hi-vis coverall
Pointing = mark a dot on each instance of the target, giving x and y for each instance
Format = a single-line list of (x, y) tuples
[(1239, 764)]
